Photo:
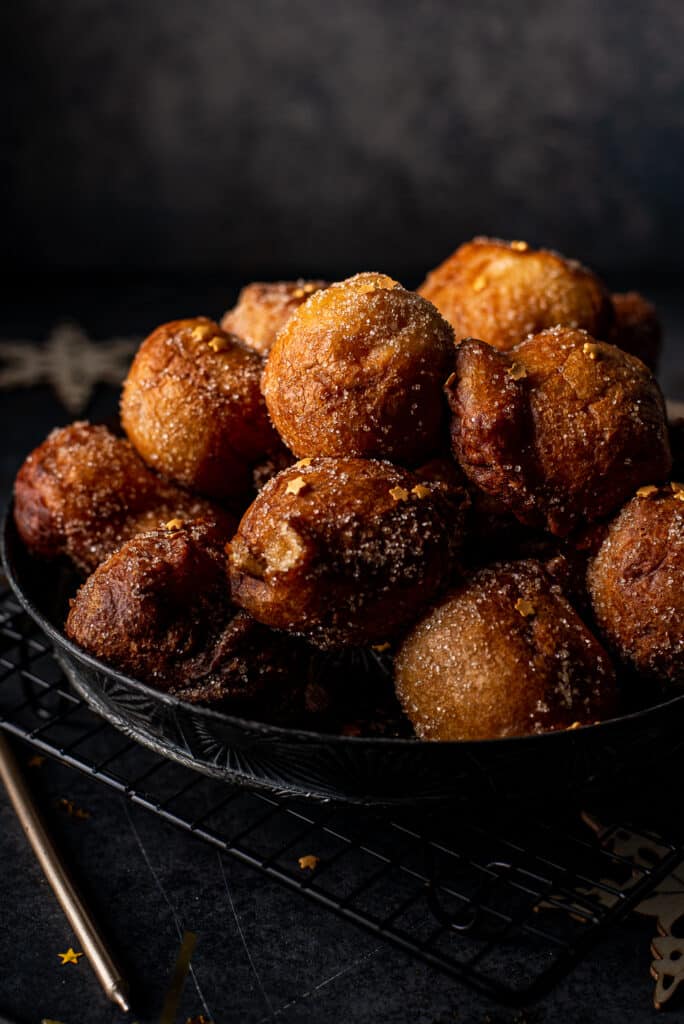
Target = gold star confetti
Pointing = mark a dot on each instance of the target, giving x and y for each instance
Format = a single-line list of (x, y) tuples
[(37, 761), (420, 491), (302, 463), (524, 607), (174, 524), (646, 492), (516, 371), (520, 246), (70, 957), (591, 349), (399, 493), (218, 344), (309, 862), (381, 647), (296, 486), (575, 725), (70, 808), (480, 283)]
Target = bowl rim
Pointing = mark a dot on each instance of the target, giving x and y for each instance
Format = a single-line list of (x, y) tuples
[(59, 639)]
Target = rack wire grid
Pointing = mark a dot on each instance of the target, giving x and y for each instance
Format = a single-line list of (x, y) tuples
[(507, 903)]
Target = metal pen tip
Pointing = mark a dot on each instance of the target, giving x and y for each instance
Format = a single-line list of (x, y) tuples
[(118, 995)]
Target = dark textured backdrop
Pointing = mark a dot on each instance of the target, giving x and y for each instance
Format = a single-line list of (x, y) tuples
[(297, 135)]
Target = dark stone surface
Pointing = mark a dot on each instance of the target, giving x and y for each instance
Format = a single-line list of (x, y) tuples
[(263, 952), (308, 136)]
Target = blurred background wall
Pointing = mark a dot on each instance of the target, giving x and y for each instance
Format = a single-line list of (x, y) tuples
[(294, 136)]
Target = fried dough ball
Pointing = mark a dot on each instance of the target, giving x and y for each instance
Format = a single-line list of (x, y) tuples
[(342, 551), (263, 308), (560, 430), (636, 584), (192, 407), (159, 609), (358, 371), (84, 491), (504, 654), (503, 291), (636, 328)]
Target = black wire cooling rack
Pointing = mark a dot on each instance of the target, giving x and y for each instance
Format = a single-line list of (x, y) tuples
[(506, 902)]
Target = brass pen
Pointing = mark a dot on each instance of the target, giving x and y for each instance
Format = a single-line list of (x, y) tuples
[(57, 875)]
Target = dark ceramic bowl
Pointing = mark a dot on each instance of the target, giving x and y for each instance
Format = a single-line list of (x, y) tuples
[(371, 771)]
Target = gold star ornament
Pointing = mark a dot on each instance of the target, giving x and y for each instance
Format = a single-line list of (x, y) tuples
[(70, 957)]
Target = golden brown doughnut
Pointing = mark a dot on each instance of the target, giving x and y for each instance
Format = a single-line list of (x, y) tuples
[(192, 407), (358, 371), (636, 584), (263, 308), (502, 291), (159, 609), (504, 654), (560, 430), (84, 491), (342, 551)]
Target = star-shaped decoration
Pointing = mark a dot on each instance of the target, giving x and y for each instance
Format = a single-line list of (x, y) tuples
[(69, 362), (70, 957)]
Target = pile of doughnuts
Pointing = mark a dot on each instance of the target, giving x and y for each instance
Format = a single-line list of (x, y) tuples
[(470, 483)]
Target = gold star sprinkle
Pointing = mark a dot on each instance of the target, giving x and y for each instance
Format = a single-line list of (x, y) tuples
[(303, 463), (70, 957), (218, 344), (524, 607), (520, 246), (381, 647), (37, 761), (201, 331), (174, 524), (516, 371), (591, 349), (296, 486), (309, 862), (677, 488), (299, 293), (399, 493), (70, 808), (646, 492), (679, 495), (480, 283), (575, 725), (420, 491)]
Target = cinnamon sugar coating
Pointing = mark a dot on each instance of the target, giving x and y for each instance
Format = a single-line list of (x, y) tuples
[(501, 292), (503, 654), (567, 443), (358, 371), (263, 309), (159, 609), (84, 491), (636, 584), (192, 407), (343, 551)]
